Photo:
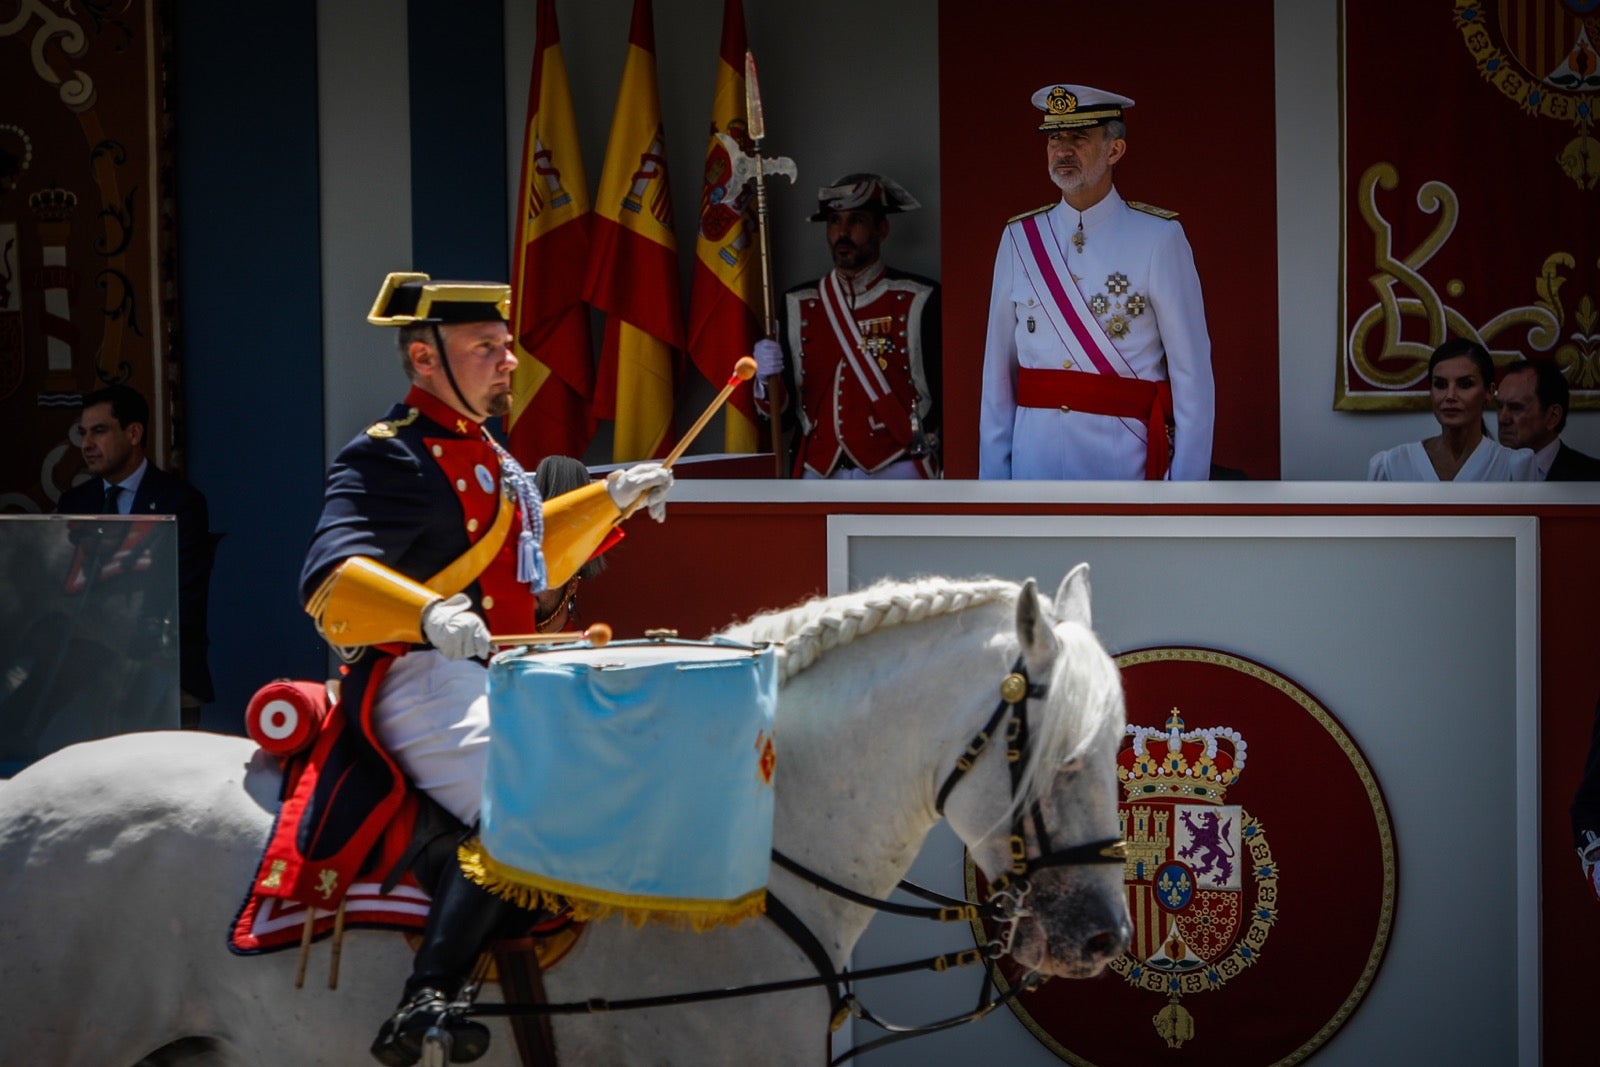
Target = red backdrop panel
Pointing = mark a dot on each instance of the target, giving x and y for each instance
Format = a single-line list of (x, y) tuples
[(1480, 219), (1202, 144)]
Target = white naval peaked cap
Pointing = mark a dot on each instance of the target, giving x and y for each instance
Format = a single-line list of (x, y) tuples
[(1072, 107)]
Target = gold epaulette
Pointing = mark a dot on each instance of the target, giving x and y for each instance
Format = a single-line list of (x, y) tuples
[(1151, 209), (1030, 214), (386, 428)]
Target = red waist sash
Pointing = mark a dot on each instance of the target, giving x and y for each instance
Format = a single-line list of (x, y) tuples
[(1104, 394)]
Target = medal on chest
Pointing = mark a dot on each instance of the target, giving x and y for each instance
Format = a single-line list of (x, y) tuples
[(877, 337)]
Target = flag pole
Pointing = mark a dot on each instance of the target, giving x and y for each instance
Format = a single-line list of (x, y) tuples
[(756, 127)]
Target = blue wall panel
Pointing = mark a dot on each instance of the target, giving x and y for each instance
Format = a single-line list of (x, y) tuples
[(458, 135), (250, 326)]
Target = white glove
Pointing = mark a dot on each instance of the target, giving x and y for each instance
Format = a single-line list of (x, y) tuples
[(769, 358), (769, 361), (629, 484), (455, 629)]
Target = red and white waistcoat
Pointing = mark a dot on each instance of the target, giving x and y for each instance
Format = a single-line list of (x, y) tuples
[(865, 354)]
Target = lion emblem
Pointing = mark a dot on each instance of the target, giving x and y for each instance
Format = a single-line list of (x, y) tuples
[(1209, 838)]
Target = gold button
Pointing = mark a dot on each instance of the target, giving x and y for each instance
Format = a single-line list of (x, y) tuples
[(1066, 364), (488, 603), (437, 451), (472, 526), (1065, 410), (461, 485)]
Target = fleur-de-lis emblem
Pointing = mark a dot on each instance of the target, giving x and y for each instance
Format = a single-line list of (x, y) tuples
[(1117, 283)]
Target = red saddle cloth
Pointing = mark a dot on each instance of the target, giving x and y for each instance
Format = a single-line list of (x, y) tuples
[(347, 820)]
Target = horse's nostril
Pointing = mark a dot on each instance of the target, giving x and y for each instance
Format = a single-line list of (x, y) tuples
[(1104, 944)]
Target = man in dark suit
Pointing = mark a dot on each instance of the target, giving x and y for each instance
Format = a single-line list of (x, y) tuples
[(1534, 398), (114, 424)]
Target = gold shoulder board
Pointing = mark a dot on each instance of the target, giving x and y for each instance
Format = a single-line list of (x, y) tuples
[(1030, 214), (1151, 209), (387, 428)]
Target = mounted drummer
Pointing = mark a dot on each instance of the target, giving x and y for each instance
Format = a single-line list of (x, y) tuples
[(431, 539)]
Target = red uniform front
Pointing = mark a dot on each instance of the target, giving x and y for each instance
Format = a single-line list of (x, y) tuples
[(866, 361)]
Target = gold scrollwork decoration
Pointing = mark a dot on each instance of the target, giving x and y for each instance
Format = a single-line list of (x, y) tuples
[(1403, 291)]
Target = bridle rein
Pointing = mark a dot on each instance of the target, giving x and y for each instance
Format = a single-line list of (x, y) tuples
[(1005, 903)]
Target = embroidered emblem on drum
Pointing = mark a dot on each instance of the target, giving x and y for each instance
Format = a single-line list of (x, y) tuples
[(485, 479), (327, 882), (1117, 283), (1137, 304), (768, 758), (1099, 304)]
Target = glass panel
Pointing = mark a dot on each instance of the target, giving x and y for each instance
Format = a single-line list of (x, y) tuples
[(88, 630)]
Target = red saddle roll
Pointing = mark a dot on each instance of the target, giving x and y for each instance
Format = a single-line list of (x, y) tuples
[(285, 716)]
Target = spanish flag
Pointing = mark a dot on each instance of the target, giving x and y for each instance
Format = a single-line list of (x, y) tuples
[(633, 269), (554, 380), (724, 298)]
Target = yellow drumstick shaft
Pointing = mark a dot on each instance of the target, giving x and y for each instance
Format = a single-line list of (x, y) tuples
[(598, 635), (743, 371)]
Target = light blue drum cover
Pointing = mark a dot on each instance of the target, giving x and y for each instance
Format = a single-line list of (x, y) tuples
[(636, 777)]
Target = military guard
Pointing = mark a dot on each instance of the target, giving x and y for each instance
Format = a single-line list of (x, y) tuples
[(430, 539), (864, 346), (1096, 361)]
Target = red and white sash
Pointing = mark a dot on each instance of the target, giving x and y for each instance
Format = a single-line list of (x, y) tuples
[(1063, 305), (874, 383)]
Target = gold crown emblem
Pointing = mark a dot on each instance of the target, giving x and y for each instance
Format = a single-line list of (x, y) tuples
[(1170, 762), (53, 204), (1060, 101)]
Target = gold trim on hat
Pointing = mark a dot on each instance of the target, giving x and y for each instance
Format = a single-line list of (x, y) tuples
[(1073, 120), (496, 293)]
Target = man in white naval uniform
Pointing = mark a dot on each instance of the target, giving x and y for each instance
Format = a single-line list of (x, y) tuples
[(1096, 362)]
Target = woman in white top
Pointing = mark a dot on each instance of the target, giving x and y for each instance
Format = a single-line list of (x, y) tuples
[(1461, 377)]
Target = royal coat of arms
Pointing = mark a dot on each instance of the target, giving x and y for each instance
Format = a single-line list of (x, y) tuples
[(1246, 952)]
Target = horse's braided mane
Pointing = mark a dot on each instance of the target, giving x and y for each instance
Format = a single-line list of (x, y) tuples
[(805, 632)]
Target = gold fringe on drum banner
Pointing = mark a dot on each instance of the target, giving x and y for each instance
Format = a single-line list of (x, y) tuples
[(587, 904)]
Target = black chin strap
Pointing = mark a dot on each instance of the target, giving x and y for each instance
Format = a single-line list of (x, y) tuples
[(450, 376)]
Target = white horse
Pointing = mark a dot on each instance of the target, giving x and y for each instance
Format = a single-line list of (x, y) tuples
[(122, 861)]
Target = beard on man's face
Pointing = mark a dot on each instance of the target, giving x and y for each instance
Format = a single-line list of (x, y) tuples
[(499, 403)]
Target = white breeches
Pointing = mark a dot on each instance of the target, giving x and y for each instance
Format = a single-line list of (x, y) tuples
[(432, 716)]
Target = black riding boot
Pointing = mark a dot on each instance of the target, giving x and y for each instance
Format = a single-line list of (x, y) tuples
[(463, 920)]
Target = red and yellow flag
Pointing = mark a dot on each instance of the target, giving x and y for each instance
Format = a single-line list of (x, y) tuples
[(554, 380), (633, 269), (724, 320)]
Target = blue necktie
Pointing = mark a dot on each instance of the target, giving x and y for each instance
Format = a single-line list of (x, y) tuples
[(112, 492)]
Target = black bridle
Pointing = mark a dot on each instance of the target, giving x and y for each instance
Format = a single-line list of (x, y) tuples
[(1004, 903)]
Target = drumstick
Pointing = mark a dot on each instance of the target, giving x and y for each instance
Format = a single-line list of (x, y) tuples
[(597, 634), (743, 371)]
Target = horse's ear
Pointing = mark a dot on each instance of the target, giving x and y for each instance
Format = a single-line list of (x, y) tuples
[(1033, 627), (1072, 599)]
